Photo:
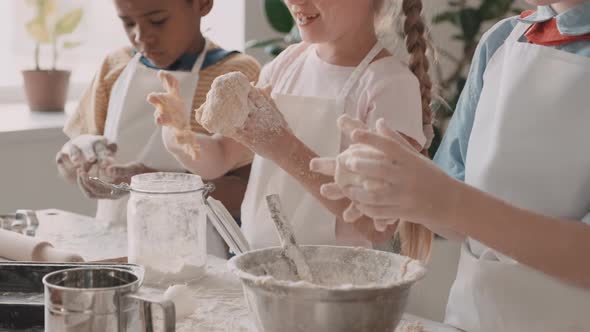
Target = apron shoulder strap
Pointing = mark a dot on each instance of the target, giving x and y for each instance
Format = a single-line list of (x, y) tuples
[(519, 30), (360, 70), (201, 59)]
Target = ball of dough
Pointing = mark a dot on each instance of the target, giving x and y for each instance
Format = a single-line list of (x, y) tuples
[(226, 107)]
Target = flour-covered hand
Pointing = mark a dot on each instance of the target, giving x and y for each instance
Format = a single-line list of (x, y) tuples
[(82, 151)]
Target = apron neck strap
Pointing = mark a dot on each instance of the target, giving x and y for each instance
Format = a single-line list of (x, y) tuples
[(360, 70), (352, 80), (201, 59), (519, 30), (196, 67)]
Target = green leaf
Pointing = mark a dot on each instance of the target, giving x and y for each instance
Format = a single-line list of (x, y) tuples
[(274, 50), (38, 30), (494, 9), (278, 15), (517, 10), (451, 17), (294, 36), (47, 7), (263, 43), (69, 22), (470, 23), (44, 8), (71, 45)]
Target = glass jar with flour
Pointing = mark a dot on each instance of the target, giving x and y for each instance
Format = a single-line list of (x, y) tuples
[(167, 225)]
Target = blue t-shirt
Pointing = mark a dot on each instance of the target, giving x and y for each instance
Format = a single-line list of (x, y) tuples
[(187, 61)]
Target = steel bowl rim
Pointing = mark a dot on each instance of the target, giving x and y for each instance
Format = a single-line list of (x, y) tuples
[(251, 280)]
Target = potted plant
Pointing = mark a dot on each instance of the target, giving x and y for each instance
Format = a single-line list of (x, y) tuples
[(281, 21), (46, 89), (470, 20)]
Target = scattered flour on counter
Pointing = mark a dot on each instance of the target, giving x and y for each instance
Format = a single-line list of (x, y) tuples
[(219, 303), (411, 327), (218, 310), (186, 274), (91, 239), (184, 302)]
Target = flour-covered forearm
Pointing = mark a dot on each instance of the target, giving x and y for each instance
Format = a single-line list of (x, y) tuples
[(218, 154), (296, 161)]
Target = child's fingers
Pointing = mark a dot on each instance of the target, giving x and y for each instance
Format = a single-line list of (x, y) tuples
[(65, 167), (347, 124), (155, 99), (267, 90), (380, 212), (326, 166), (83, 153), (169, 81), (332, 191), (375, 169), (192, 151), (381, 197), (361, 151), (392, 147), (199, 113), (380, 225), (375, 185), (384, 129), (84, 184), (383, 225), (162, 118), (352, 213)]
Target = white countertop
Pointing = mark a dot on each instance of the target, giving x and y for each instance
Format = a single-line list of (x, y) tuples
[(18, 118), (220, 302)]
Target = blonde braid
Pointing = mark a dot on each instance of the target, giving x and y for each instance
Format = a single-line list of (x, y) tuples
[(416, 240)]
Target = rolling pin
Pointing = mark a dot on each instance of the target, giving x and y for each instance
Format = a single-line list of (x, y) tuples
[(19, 247)]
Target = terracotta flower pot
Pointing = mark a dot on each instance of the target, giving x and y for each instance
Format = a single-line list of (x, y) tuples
[(46, 90)]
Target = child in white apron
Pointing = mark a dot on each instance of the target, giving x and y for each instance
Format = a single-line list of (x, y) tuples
[(114, 110), (340, 68), (519, 184)]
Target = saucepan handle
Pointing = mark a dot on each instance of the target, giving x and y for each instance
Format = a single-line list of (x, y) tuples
[(147, 300)]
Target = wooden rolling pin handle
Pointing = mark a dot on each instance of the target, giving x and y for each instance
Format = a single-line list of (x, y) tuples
[(47, 253)]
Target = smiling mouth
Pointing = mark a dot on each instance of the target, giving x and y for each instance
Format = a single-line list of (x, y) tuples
[(305, 19)]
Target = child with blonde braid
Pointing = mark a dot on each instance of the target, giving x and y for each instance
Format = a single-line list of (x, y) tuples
[(510, 179), (341, 67)]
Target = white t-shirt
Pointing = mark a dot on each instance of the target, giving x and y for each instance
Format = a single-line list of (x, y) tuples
[(387, 89)]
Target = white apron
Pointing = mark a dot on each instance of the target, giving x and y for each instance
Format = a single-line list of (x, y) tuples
[(528, 147), (130, 124), (314, 122)]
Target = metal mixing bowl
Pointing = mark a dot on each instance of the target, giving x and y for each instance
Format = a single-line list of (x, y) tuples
[(357, 289)]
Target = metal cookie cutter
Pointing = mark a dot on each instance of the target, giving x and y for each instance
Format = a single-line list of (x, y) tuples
[(23, 222)]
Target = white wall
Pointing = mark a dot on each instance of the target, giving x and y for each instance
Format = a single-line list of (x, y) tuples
[(226, 24), (257, 27), (29, 178)]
